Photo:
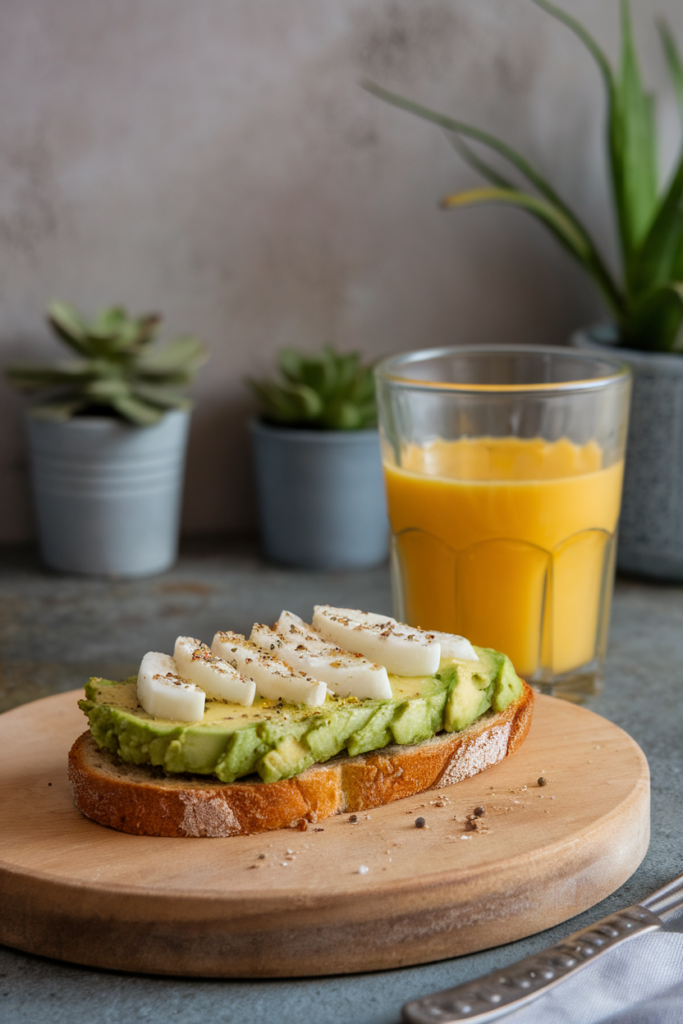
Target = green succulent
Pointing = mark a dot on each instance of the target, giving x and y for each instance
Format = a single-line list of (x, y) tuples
[(646, 298), (117, 370), (325, 391)]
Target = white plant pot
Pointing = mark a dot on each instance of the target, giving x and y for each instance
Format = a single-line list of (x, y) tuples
[(651, 522), (321, 495), (108, 494)]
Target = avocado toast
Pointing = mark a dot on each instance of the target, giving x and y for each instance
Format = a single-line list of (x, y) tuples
[(271, 763)]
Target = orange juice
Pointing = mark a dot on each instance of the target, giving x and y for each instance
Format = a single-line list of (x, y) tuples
[(510, 542)]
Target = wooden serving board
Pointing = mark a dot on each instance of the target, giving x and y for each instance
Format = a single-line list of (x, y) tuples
[(74, 890)]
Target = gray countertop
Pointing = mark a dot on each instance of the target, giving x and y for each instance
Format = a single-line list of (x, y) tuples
[(57, 630)]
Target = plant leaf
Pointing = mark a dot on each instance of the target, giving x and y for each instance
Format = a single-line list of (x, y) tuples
[(598, 267), (461, 128), (104, 390), (631, 131), (561, 226), (321, 389), (184, 353), (634, 163), (289, 361), (655, 319), (350, 373), (32, 377), (69, 325), (345, 416), (475, 161), (60, 409), (658, 258), (673, 60), (137, 411), (288, 402), (319, 372), (584, 35), (156, 394)]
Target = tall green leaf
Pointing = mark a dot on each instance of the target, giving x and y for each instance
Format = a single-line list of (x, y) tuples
[(634, 158), (673, 60), (659, 256)]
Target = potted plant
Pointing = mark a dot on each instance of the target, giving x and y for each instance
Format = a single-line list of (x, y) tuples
[(644, 299), (317, 459), (107, 438)]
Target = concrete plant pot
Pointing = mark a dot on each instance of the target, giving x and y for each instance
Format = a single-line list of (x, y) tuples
[(651, 523), (108, 493), (321, 496)]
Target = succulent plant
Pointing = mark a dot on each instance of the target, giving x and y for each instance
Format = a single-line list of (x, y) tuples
[(326, 390), (118, 370), (646, 299)]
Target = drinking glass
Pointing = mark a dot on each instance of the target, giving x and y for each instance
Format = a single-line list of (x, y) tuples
[(503, 467)]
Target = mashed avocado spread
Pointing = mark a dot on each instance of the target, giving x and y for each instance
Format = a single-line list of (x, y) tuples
[(278, 740)]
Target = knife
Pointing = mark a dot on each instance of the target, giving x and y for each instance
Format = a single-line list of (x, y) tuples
[(501, 992)]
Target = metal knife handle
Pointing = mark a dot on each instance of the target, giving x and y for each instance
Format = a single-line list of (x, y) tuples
[(503, 991)]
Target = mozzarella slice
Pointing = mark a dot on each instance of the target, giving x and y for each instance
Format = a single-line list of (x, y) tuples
[(163, 693), (218, 679), (454, 646), (345, 673), (273, 678), (401, 649)]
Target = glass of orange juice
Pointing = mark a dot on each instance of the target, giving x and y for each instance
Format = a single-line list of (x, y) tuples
[(503, 468)]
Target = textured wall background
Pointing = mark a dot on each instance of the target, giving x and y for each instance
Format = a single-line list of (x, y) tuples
[(218, 161)]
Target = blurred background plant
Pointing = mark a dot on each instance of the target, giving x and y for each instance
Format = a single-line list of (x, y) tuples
[(325, 390), (118, 370), (646, 298)]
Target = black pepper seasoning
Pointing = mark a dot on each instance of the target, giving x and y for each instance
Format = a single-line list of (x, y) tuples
[(420, 823), (478, 811), (542, 781)]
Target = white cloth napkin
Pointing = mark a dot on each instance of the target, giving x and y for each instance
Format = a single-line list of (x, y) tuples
[(639, 982)]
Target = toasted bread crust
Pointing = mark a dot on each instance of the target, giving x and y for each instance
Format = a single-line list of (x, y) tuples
[(138, 800)]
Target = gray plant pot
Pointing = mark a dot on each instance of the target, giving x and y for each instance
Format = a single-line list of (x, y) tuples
[(321, 496), (108, 494), (651, 523)]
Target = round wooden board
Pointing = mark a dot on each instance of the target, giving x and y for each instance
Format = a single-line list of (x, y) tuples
[(74, 890)]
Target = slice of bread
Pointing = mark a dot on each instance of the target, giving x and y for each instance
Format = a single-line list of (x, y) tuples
[(145, 801)]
